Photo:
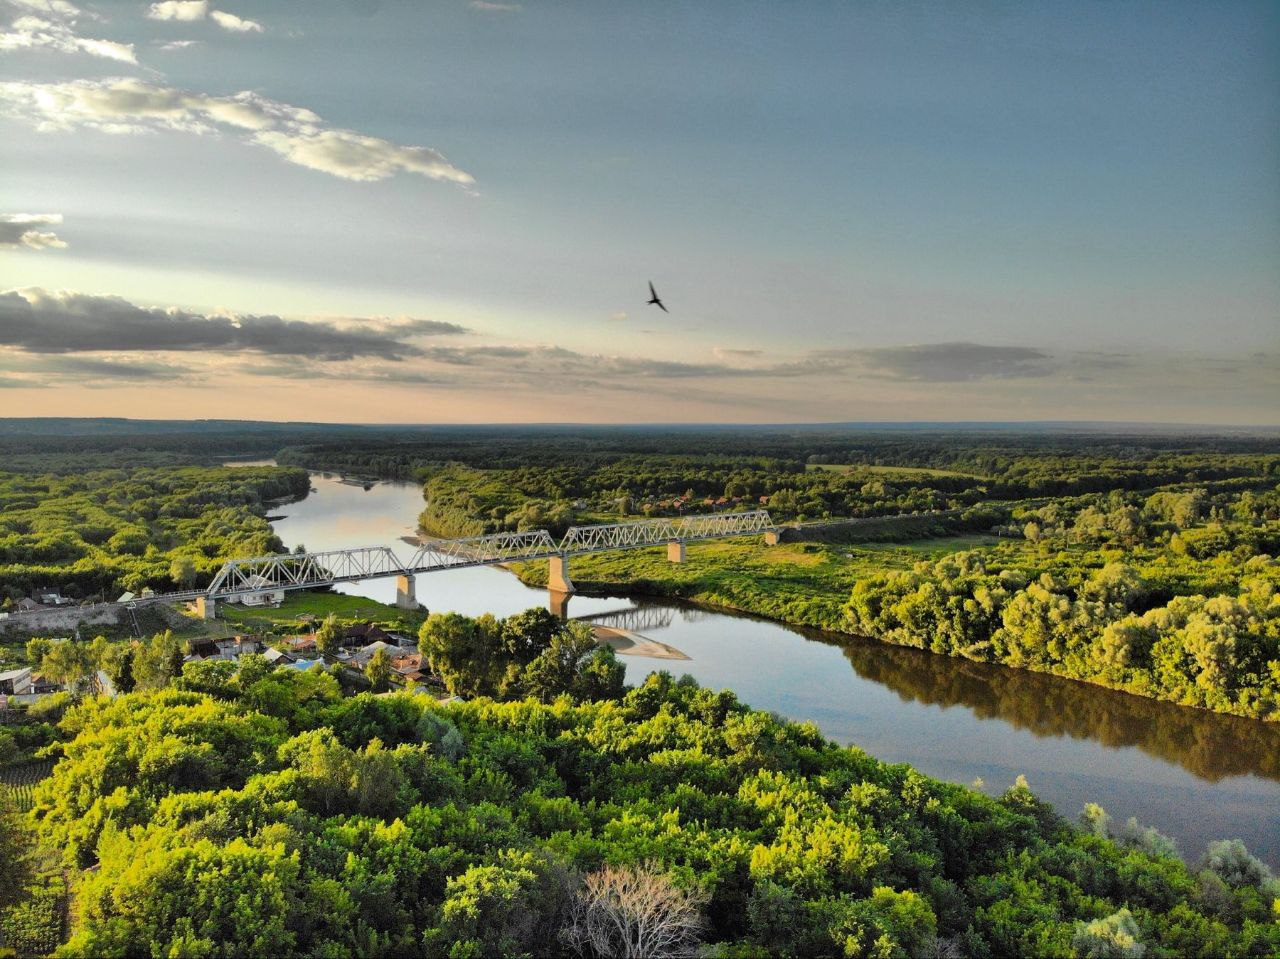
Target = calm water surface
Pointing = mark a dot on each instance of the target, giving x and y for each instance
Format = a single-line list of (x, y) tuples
[(1193, 775)]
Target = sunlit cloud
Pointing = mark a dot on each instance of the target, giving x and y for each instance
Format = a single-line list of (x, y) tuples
[(51, 25), (125, 105), (229, 21), (24, 229), (191, 11)]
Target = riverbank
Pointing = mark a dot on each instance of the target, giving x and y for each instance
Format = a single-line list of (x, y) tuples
[(806, 585)]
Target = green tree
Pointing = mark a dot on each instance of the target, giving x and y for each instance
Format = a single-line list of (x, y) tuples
[(329, 636), (183, 572), (157, 661), (378, 671)]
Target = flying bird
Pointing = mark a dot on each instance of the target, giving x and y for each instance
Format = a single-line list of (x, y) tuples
[(655, 301)]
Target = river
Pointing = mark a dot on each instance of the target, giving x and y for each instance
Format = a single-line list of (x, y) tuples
[(1193, 775)]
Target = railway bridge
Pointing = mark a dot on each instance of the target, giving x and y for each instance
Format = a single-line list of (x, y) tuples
[(244, 578)]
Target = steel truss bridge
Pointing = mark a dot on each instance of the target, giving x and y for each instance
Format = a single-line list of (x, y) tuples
[(240, 578)]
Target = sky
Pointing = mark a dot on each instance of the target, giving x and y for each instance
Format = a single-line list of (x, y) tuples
[(450, 211)]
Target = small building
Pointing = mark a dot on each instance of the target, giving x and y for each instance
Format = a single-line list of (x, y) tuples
[(360, 658), (16, 682), (265, 593), (28, 605), (49, 596), (361, 634), (277, 657), (298, 645), (227, 649)]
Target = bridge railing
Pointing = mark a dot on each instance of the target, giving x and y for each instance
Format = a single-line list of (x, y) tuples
[(655, 532)]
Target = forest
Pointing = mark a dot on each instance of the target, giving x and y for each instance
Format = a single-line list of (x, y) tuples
[(241, 810), (95, 534)]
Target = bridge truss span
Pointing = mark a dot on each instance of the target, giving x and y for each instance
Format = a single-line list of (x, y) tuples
[(302, 570), (483, 550), (656, 532)]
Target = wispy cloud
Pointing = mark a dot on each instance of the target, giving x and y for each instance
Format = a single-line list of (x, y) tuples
[(955, 362), (51, 25), (24, 229), (41, 321), (125, 105), (489, 6)]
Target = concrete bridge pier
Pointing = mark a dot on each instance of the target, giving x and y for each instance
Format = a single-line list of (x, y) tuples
[(675, 551), (558, 603), (559, 585), (773, 537), (207, 608), (406, 598), (558, 574)]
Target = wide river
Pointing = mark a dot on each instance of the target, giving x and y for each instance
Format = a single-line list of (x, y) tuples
[(1191, 774)]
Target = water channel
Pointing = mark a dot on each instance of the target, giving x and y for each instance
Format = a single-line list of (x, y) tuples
[(1193, 775)]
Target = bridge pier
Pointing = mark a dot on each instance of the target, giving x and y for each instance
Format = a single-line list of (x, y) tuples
[(773, 537), (675, 551), (207, 608), (558, 580), (406, 597)]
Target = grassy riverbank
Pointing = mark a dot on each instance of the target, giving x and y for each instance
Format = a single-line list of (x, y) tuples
[(806, 584)]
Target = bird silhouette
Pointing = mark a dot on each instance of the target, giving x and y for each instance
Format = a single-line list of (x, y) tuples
[(655, 301)]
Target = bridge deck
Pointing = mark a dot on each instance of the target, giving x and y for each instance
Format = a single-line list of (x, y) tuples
[(285, 571)]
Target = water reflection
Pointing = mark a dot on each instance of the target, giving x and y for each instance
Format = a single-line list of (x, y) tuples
[(1211, 746)]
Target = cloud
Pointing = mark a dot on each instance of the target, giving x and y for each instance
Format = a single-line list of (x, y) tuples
[(354, 156), (956, 362), (179, 44), (490, 7), (183, 10), (933, 362), (51, 25), (726, 352), (124, 105), (229, 21), (97, 368), (41, 321), (22, 229), (619, 317), (190, 11)]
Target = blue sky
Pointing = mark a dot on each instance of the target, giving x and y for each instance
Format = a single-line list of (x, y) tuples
[(855, 211)]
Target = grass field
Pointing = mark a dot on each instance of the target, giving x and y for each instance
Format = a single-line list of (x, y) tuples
[(299, 604), (804, 583)]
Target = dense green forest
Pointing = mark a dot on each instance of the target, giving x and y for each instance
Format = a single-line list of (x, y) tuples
[(496, 480), (251, 811), (94, 534)]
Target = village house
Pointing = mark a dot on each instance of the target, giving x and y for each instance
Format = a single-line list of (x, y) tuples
[(228, 649), (264, 594), (16, 682)]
